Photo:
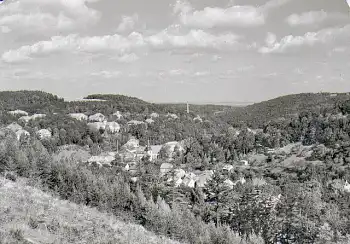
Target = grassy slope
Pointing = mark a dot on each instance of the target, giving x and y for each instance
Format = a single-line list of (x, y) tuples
[(28, 215)]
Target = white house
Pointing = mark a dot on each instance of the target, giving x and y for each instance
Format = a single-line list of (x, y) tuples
[(135, 122), (44, 134), (18, 112), (154, 115), (198, 118), (26, 119), (154, 152), (118, 115), (21, 133), (149, 121), (112, 127), (172, 116), (79, 116), (98, 117), (347, 187), (101, 160)]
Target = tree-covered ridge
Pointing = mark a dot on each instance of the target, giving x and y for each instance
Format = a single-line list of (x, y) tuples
[(256, 115), (116, 98), (30, 101)]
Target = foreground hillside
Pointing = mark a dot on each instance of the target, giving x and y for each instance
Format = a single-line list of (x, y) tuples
[(28, 215)]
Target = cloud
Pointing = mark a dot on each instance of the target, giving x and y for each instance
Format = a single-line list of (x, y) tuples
[(107, 74), (308, 39), (307, 18), (193, 39), (128, 23), (125, 47), (211, 17), (236, 15), (43, 15)]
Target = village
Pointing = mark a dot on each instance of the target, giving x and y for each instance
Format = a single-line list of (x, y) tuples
[(130, 155)]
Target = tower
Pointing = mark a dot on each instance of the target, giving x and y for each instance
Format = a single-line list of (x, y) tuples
[(188, 108)]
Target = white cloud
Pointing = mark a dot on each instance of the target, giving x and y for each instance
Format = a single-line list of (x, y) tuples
[(5, 29), (124, 46), (212, 17), (128, 23), (193, 39), (45, 15), (308, 39), (307, 18), (236, 15), (107, 74)]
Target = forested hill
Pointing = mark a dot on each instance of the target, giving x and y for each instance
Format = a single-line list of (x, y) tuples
[(107, 102), (254, 115), (31, 101), (116, 98), (257, 114)]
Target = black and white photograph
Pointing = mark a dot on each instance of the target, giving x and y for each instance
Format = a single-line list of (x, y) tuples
[(174, 121)]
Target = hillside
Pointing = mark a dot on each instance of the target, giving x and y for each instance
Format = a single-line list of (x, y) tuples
[(30, 101), (28, 215), (288, 106)]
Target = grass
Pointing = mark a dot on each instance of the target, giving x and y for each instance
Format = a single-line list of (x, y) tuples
[(31, 216)]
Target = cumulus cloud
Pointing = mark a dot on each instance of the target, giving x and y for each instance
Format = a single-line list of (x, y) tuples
[(128, 23), (236, 15), (193, 39), (123, 46), (307, 18), (43, 15), (308, 39)]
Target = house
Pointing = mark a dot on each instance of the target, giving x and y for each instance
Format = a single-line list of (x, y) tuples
[(198, 118), (165, 168), (154, 115), (22, 133), (244, 162), (132, 144), (118, 115), (98, 117), (189, 180), (79, 116), (112, 127), (135, 122), (169, 148), (172, 116), (18, 130), (154, 152), (26, 119), (229, 183), (347, 187), (203, 177), (18, 112), (44, 134), (227, 167), (96, 126), (179, 174), (149, 121), (102, 160)]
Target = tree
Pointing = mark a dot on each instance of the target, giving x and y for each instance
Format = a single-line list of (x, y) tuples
[(217, 193)]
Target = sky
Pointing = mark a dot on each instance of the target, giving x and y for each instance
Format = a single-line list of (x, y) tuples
[(175, 51)]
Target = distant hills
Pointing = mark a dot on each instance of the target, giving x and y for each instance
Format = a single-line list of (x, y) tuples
[(255, 115)]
